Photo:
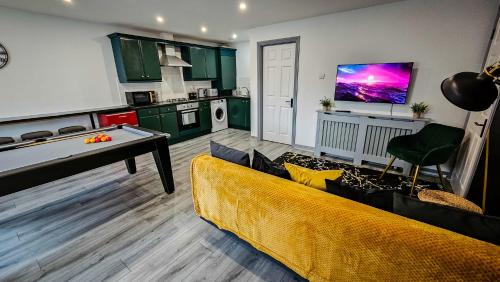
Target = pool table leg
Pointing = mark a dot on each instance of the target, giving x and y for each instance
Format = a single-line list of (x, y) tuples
[(162, 159), (131, 167)]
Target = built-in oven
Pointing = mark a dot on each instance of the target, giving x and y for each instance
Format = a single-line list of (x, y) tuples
[(188, 116)]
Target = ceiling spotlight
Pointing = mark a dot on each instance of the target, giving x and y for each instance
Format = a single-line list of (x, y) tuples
[(68, 1), (243, 6), (160, 19), (204, 29), (234, 36)]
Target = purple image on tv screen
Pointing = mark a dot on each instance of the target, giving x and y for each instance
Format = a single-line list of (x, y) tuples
[(373, 83)]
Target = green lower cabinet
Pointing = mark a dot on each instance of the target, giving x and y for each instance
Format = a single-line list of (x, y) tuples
[(246, 109), (205, 118), (150, 122), (169, 124), (239, 113)]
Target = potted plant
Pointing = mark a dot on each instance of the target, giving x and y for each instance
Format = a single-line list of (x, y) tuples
[(327, 104), (419, 109)]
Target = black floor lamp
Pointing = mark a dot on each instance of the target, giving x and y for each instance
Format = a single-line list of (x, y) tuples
[(474, 92)]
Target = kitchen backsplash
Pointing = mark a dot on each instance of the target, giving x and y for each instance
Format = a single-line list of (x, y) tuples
[(171, 87)]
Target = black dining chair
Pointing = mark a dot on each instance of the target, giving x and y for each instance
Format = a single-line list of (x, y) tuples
[(71, 129), (6, 140), (36, 135)]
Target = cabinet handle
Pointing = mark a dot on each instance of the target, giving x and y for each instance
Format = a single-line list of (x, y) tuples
[(142, 76), (147, 76)]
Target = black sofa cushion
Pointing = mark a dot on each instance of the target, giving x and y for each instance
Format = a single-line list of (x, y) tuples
[(229, 154), (381, 199), (482, 227), (263, 164)]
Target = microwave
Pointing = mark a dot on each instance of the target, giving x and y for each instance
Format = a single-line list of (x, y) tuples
[(141, 98)]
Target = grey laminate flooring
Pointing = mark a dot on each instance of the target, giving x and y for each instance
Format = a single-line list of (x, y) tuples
[(108, 225)]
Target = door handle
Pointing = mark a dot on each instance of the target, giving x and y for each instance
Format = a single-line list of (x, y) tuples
[(483, 126), (291, 102)]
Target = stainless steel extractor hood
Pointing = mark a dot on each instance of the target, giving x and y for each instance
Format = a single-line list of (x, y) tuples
[(168, 58)]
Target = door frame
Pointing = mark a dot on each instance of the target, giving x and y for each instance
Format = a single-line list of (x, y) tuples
[(260, 82)]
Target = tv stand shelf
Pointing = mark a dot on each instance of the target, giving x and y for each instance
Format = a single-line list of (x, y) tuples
[(362, 136)]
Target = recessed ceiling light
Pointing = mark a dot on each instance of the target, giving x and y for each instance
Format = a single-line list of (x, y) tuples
[(160, 19), (68, 1), (243, 6), (234, 36), (204, 29)]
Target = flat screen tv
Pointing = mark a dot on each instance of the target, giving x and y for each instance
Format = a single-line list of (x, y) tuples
[(373, 83)]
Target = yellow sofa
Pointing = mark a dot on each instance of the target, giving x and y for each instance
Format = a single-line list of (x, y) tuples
[(323, 237)]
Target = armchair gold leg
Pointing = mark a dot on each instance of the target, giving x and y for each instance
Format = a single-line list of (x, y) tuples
[(440, 174), (417, 170), (387, 167)]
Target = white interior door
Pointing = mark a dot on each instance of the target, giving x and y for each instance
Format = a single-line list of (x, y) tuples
[(278, 88), (472, 146)]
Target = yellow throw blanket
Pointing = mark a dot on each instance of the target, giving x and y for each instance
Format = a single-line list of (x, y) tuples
[(323, 237)]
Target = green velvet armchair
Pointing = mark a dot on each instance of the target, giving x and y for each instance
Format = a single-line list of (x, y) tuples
[(433, 145)]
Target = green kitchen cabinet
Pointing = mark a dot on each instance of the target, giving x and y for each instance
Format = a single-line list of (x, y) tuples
[(211, 61), (205, 116), (227, 69), (169, 124), (198, 62), (203, 62), (246, 110), (150, 122), (151, 60), (136, 60), (239, 113)]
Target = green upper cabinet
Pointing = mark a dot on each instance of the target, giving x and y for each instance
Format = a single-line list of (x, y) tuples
[(151, 60), (198, 62), (211, 59), (203, 61), (226, 69), (136, 60), (131, 57), (239, 113)]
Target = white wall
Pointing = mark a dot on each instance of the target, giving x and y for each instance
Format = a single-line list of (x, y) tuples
[(242, 63), (441, 37), (57, 64)]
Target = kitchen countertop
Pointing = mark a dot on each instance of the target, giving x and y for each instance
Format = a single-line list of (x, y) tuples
[(62, 114), (159, 104), (104, 110)]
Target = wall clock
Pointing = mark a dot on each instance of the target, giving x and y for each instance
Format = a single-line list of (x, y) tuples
[(4, 56)]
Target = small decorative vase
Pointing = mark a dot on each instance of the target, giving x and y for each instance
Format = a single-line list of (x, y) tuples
[(417, 115), (327, 109)]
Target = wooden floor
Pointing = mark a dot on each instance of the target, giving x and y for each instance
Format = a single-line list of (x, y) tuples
[(108, 225)]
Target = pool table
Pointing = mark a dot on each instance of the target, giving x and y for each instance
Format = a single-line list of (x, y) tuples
[(27, 164)]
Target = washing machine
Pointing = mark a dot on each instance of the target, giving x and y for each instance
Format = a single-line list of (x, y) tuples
[(219, 114)]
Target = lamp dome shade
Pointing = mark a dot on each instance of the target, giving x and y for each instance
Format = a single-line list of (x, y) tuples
[(470, 91)]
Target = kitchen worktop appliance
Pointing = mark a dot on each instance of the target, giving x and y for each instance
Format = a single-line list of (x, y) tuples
[(141, 98)]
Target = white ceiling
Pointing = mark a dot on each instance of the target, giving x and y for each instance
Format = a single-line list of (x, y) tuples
[(185, 17)]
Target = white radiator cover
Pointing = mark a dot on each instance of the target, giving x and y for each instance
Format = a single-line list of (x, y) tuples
[(362, 137)]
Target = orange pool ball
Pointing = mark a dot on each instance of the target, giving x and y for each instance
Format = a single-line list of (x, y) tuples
[(104, 139)]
